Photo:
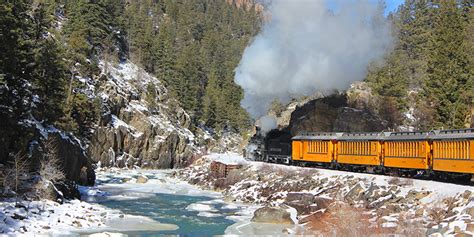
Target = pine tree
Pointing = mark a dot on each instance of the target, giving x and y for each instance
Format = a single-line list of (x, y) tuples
[(15, 73), (50, 71), (448, 67)]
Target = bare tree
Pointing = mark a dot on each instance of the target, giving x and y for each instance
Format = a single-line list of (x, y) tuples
[(50, 170), (16, 173)]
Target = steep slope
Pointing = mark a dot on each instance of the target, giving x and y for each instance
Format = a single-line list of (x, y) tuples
[(141, 125)]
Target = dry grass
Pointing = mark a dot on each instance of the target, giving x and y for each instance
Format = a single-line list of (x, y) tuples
[(344, 220), (440, 211), (437, 214)]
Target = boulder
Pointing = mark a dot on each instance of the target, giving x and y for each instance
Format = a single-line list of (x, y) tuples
[(302, 198), (142, 179), (276, 215), (74, 162), (332, 113), (322, 202), (355, 193)]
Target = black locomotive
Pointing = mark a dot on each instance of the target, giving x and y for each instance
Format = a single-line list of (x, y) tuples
[(274, 147)]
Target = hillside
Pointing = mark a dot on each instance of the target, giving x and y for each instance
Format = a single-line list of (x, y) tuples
[(118, 83)]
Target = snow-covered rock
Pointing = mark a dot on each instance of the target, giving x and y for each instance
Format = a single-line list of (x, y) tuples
[(141, 125)]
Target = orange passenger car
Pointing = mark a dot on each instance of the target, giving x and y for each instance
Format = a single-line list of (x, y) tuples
[(359, 149), (453, 150), (313, 147), (407, 150)]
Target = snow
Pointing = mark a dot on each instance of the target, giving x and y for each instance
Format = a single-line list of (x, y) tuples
[(268, 184), (389, 225), (117, 123), (227, 158), (200, 207)]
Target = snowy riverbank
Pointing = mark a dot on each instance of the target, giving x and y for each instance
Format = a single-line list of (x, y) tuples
[(326, 198), (117, 186)]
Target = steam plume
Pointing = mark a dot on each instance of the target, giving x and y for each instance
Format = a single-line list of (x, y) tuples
[(305, 48)]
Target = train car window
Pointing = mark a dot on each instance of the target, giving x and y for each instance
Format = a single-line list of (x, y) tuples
[(464, 150), (456, 150)]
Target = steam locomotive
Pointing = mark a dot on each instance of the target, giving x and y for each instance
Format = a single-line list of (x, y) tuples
[(439, 153), (274, 147)]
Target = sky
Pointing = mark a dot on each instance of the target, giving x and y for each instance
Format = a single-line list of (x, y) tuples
[(391, 5)]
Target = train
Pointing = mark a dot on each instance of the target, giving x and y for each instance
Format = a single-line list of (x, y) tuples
[(442, 154)]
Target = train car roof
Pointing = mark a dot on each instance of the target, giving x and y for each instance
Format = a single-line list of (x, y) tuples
[(366, 136), (452, 134), (316, 136), (405, 136)]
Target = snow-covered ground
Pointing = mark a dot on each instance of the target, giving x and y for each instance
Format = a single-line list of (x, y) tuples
[(89, 216), (70, 218)]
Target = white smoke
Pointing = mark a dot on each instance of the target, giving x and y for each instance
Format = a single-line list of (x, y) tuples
[(305, 48), (267, 123)]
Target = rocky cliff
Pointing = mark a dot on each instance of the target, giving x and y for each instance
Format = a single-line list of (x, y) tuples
[(332, 113), (141, 125)]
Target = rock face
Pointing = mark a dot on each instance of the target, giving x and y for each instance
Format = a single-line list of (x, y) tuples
[(277, 215), (141, 125), (75, 163), (332, 114)]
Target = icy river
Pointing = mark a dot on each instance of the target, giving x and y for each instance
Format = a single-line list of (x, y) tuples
[(168, 206)]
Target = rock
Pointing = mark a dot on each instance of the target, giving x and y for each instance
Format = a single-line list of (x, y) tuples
[(68, 190), (422, 194), (302, 198), (138, 132), (124, 180), (457, 229), (322, 202), (332, 114), (435, 235), (142, 179), (355, 193), (437, 229), (301, 209), (469, 211), (462, 234), (277, 215), (470, 227), (467, 194), (75, 164), (19, 216), (419, 212)]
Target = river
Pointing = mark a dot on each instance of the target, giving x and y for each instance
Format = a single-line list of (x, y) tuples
[(194, 211)]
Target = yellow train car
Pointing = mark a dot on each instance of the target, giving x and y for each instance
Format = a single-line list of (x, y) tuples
[(359, 149), (407, 150), (314, 147), (453, 150)]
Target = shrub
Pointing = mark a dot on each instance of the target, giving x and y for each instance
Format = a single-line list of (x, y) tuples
[(50, 172)]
